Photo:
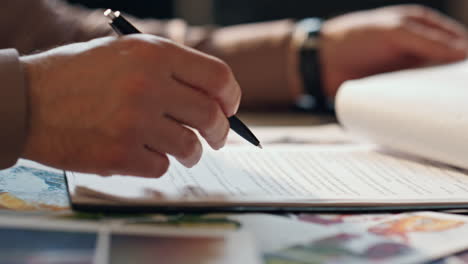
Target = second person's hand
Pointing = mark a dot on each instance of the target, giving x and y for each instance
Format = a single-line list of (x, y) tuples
[(387, 39)]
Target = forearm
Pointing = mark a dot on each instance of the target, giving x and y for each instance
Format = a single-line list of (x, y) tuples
[(13, 109), (31, 25), (264, 59), (34, 25), (263, 56)]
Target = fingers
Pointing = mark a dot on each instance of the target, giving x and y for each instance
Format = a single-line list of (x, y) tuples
[(140, 162), (191, 67), (436, 20), (427, 43), (198, 111), (209, 75), (174, 139), (185, 107)]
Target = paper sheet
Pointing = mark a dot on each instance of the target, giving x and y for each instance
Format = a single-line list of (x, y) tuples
[(291, 174), (420, 111)]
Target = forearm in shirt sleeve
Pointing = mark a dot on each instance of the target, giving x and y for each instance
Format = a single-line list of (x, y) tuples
[(13, 108), (35, 25), (263, 56)]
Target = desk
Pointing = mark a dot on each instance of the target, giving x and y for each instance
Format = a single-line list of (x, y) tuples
[(285, 119), (48, 194)]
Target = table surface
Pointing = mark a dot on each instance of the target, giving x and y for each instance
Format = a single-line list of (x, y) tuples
[(285, 119), (47, 192)]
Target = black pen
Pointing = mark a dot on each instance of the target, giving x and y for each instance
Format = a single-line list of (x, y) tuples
[(123, 27)]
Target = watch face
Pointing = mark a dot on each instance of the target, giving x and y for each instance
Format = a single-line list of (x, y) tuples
[(312, 27), (310, 24)]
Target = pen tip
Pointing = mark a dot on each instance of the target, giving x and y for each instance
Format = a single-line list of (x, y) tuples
[(260, 146)]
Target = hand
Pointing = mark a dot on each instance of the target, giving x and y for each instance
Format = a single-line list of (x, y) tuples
[(119, 106), (387, 39)]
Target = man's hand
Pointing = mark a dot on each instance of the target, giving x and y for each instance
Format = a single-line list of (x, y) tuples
[(119, 106), (387, 39)]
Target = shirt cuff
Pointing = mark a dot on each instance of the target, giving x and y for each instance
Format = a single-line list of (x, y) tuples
[(13, 108)]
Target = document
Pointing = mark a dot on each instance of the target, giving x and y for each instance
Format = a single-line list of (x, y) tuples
[(285, 175)]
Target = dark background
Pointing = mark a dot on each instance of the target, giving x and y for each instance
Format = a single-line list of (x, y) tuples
[(140, 8), (262, 10), (227, 12)]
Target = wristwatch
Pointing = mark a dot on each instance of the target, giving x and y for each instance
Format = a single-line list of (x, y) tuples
[(314, 98)]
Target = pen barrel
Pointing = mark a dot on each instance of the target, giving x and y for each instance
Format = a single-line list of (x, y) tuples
[(123, 27)]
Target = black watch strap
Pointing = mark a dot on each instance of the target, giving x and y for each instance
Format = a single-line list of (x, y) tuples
[(310, 68)]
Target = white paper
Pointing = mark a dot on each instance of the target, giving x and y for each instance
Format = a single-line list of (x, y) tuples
[(284, 175), (422, 111)]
